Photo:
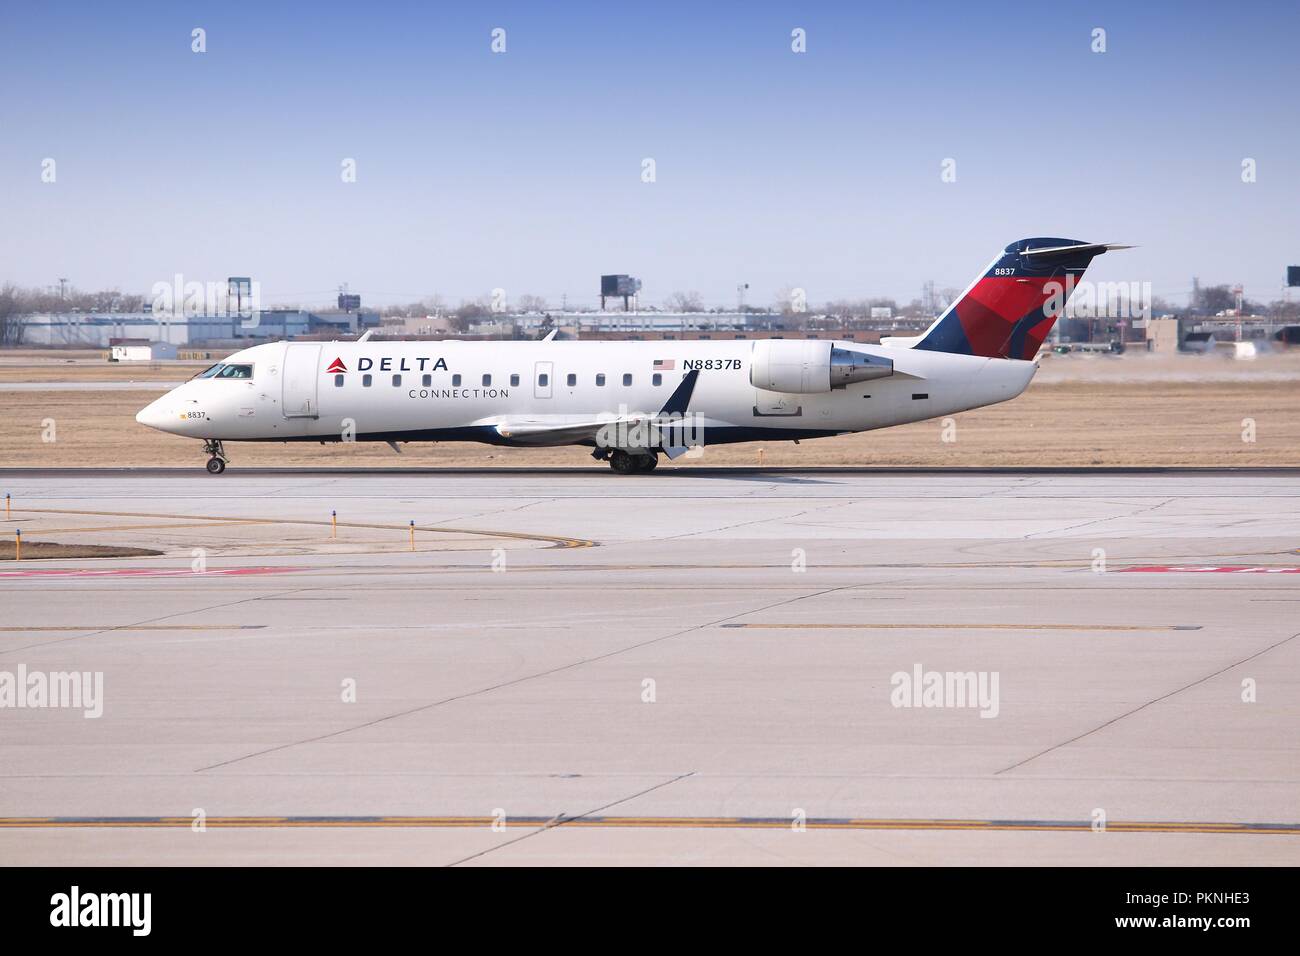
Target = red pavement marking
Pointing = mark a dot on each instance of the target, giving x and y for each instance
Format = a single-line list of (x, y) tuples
[(1214, 569), (139, 572)]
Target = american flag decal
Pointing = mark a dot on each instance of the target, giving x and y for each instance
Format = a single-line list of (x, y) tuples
[(663, 365)]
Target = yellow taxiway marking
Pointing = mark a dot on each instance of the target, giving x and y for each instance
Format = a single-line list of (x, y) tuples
[(138, 627), (147, 527), (766, 823), (861, 626), (558, 541)]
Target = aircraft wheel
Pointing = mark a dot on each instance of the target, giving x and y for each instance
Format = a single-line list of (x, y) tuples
[(216, 466), (648, 463), (622, 462)]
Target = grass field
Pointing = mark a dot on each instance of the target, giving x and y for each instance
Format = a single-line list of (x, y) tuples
[(1132, 410)]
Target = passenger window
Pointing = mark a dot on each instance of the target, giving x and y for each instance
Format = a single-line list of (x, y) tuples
[(627, 379), (338, 381), (572, 380), (426, 381), (397, 380), (543, 380), (656, 379), (366, 380), (514, 379), (487, 380), (455, 380), (600, 378)]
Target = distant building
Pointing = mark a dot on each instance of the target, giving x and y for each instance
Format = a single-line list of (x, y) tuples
[(869, 336), (139, 350), (585, 322), (1163, 334), (421, 325), (96, 330)]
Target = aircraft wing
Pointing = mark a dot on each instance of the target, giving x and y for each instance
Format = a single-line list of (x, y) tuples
[(543, 432)]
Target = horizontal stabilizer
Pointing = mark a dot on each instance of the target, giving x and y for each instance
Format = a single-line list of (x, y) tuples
[(1096, 248)]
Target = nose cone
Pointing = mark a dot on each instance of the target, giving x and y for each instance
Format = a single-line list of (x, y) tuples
[(153, 414)]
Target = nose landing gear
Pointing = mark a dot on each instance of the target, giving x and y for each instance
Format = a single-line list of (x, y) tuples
[(217, 463)]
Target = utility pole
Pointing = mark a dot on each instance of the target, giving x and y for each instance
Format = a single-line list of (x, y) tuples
[(1240, 290)]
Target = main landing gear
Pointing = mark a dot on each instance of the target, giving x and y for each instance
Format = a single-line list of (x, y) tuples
[(217, 463), (627, 463)]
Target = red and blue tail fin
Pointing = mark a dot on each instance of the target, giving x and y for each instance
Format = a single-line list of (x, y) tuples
[(1008, 311)]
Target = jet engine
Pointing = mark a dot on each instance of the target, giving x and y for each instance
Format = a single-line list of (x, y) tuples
[(792, 365)]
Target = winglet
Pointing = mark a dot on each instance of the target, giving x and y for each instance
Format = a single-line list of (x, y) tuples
[(681, 396)]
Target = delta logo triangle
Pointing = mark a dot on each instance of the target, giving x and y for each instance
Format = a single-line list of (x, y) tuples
[(337, 366)]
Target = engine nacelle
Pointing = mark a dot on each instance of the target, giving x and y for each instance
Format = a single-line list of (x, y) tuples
[(801, 366)]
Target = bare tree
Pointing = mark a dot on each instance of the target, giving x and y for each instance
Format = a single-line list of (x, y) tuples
[(1216, 298), (530, 303), (12, 307), (469, 311), (684, 302), (430, 305)]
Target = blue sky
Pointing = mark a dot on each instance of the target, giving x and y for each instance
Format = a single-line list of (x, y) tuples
[(522, 170)]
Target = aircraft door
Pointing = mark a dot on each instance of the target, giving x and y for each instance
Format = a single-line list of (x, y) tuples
[(301, 377)]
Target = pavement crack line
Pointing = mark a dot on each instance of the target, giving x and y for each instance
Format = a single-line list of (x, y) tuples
[(1085, 524), (495, 512), (1155, 700), (152, 620), (754, 521), (560, 819), (516, 680)]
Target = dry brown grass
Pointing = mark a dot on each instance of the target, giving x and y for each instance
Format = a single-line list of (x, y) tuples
[(39, 550)]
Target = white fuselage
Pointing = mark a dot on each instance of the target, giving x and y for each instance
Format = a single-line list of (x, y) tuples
[(412, 391)]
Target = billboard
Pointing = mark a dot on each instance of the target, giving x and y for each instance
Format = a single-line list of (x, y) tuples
[(619, 285)]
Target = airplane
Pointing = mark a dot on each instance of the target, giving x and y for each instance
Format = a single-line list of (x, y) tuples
[(632, 401)]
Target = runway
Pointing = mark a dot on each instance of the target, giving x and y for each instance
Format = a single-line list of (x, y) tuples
[(503, 667)]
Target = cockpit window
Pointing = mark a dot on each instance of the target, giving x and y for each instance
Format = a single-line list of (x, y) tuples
[(222, 370)]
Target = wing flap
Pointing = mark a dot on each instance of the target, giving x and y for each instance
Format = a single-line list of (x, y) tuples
[(540, 432)]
